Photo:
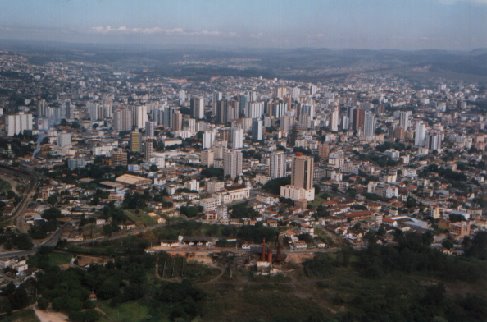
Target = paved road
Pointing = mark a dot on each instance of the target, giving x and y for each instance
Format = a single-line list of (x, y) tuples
[(19, 210)]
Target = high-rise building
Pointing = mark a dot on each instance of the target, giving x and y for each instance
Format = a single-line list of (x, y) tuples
[(70, 109), (434, 140), (286, 123), (301, 187), (243, 102), (358, 119), (208, 139), (149, 129), (135, 141), (420, 134), (140, 116), (122, 120), (18, 123), (232, 163), (177, 122), (277, 167), (149, 149), (404, 119), (190, 125), (197, 106), (302, 172), (345, 123), (255, 109), (64, 139), (236, 138), (95, 111), (324, 150), (257, 130), (232, 111), (369, 125), (335, 118), (221, 111), (119, 158), (208, 158), (216, 97)]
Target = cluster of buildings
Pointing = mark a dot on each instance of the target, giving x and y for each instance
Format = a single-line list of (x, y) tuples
[(368, 152)]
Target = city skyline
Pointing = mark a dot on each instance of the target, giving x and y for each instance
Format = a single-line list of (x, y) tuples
[(377, 24)]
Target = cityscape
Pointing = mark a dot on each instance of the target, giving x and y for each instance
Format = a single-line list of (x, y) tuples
[(192, 178)]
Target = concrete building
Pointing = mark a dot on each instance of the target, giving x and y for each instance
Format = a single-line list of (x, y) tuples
[(232, 163), (277, 167), (197, 106), (135, 141), (18, 123)]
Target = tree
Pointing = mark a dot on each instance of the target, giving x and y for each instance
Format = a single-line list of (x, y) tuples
[(478, 246), (410, 202), (191, 211), (22, 241), (52, 200), (42, 303), (51, 214), (5, 306), (274, 185), (19, 298), (243, 210)]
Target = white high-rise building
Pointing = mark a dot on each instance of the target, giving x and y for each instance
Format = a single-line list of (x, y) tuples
[(420, 134), (404, 119), (335, 118), (232, 163), (197, 107), (237, 138), (140, 116), (257, 130), (95, 111), (208, 139), (149, 129), (434, 140), (255, 109), (277, 167), (18, 123), (369, 125), (122, 120)]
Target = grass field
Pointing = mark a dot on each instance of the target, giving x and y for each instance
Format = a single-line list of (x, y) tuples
[(59, 258), (126, 312), (140, 219)]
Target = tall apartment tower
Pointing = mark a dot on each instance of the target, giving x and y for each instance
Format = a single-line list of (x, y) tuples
[(149, 129), (149, 149), (335, 118), (369, 125), (122, 120), (358, 119), (277, 167), (197, 106), (140, 116), (404, 119), (208, 139), (420, 134), (135, 141), (302, 175), (177, 124), (257, 130), (237, 138), (232, 163)]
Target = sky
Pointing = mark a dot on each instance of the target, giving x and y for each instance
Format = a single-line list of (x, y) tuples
[(367, 24)]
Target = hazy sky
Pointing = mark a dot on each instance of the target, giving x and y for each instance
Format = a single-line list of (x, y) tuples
[(403, 24)]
